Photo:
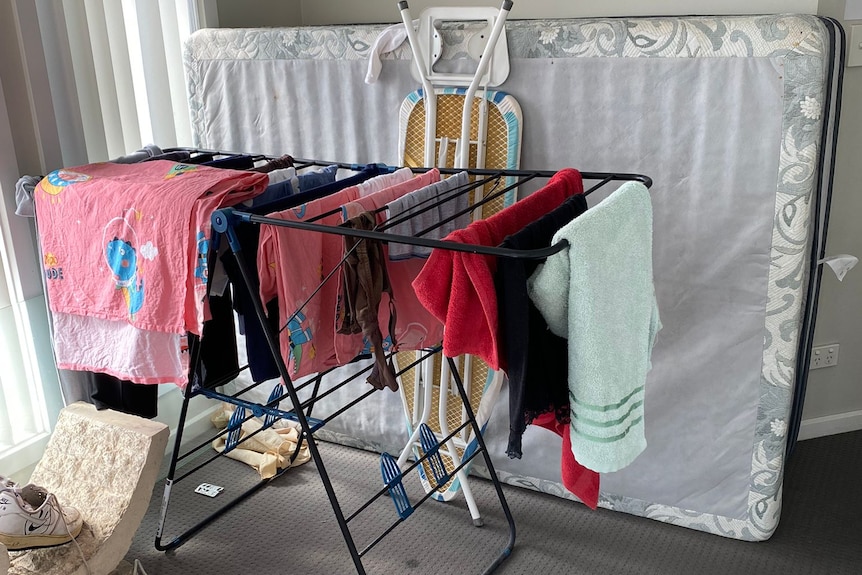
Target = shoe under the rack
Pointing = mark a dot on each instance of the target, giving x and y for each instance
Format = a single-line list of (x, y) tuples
[(31, 517)]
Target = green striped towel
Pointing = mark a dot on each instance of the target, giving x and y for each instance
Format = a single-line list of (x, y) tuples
[(599, 294)]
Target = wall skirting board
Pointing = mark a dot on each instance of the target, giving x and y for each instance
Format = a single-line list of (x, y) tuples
[(830, 425), (198, 425)]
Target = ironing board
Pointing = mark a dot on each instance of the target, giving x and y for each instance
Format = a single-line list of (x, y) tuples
[(428, 392)]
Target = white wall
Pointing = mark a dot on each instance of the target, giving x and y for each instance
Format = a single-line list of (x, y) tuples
[(316, 12), (259, 13), (834, 398)]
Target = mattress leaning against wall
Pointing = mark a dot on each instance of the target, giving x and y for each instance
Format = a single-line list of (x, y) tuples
[(726, 114)]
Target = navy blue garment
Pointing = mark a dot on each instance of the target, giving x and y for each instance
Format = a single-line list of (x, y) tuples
[(237, 162), (317, 178), (219, 363), (181, 156), (201, 158), (305, 196), (536, 359), (148, 152), (261, 363), (307, 181)]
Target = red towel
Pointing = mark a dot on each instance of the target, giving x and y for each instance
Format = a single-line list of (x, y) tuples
[(582, 482), (458, 287)]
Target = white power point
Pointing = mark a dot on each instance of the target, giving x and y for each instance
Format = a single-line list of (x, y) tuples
[(824, 356), (854, 46)]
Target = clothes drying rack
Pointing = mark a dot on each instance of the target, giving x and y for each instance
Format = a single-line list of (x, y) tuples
[(225, 221)]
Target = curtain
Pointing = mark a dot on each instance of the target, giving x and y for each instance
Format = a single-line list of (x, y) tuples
[(24, 403), (106, 75), (104, 78)]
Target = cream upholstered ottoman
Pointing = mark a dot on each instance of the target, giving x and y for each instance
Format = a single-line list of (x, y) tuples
[(105, 464)]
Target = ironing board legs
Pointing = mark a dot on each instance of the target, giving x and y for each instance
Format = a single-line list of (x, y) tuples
[(493, 474)]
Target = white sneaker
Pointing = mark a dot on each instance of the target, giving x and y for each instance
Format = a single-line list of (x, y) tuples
[(31, 517)]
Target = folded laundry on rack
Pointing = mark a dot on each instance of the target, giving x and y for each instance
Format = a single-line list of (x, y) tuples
[(137, 355), (267, 450), (287, 182), (127, 242), (314, 184), (414, 328), (284, 175), (129, 245), (152, 152), (232, 162), (535, 358), (24, 188), (382, 182), (365, 282), (291, 275), (425, 209)]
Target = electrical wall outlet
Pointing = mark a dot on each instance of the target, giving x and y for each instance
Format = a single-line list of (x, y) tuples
[(854, 46), (824, 356)]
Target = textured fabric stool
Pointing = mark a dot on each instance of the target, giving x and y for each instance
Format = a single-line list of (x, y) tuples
[(105, 464)]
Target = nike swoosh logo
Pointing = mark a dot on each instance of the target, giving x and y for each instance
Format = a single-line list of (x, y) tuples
[(33, 527)]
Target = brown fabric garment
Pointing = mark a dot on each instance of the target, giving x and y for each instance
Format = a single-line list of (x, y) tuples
[(365, 280), (276, 164)]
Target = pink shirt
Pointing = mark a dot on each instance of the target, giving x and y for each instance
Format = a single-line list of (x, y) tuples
[(291, 264), (120, 241)]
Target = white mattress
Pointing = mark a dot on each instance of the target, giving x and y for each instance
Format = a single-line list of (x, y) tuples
[(725, 114)]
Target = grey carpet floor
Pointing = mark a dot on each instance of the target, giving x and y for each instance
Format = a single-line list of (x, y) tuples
[(288, 527)]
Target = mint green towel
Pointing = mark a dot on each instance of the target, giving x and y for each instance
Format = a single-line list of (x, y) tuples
[(599, 294)]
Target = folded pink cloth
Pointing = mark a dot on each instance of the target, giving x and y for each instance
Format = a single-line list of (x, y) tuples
[(458, 287), (127, 243)]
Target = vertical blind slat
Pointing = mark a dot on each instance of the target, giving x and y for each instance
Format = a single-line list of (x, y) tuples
[(136, 68), (173, 50), (85, 81), (105, 81), (115, 23), (156, 72), (55, 41), (20, 411), (38, 86)]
